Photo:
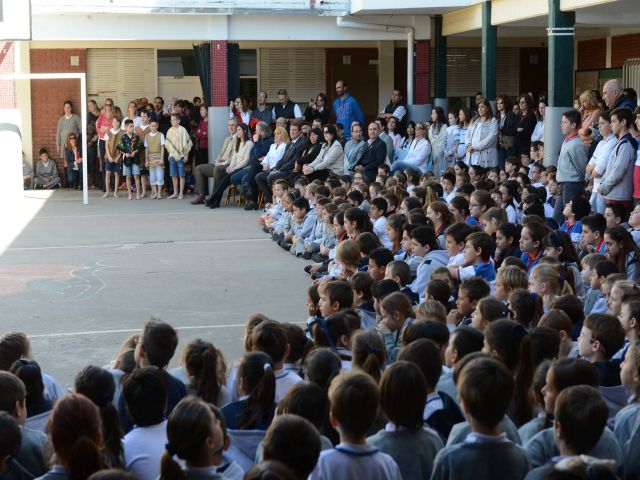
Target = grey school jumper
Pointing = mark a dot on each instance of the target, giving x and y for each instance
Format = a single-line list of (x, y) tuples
[(482, 461), (413, 452), (542, 449), (460, 431)]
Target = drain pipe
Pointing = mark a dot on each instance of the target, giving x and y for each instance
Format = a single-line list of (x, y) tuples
[(410, 31)]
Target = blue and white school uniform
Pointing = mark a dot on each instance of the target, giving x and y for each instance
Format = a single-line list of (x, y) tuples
[(284, 381), (485, 270), (355, 462), (380, 230), (531, 261), (302, 230), (574, 231)]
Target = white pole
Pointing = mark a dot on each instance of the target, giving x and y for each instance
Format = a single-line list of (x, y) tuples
[(85, 156), (410, 79)]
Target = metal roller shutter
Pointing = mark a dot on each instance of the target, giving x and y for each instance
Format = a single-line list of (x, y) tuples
[(464, 67), (300, 70), (123, 74)]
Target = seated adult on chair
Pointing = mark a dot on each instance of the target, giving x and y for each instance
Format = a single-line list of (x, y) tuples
[(308, 154), (329, 160), (242, 147), (285, 166), (219, 166), (273, 156), (374, 155)]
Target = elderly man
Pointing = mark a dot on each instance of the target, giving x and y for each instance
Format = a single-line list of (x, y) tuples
[(614, 97), (219, 166)]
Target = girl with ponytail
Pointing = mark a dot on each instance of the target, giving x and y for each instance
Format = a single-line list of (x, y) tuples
[(558, 245), (257, 387), (74, 428), (549, 281), (369, 354), (508, 342), (98, 385), (204, 365), (194, 435)]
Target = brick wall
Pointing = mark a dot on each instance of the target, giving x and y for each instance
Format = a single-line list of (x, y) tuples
[(219, 87), (7, 87), (421, 87), (48, 96)]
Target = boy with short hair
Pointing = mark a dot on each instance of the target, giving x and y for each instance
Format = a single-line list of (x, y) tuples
[(378, 212), (304, 221), (354, 399), (270, 337), (471, 290), (145, 394), (601, 337), (154, 158), (572, 165), (485, 390), (155, 347), (455, 238), (593, 227), (476, 259), (580, 416), (600, 275), (34, 448), (46, 175), (441, 412), (362, 285), (400, 272), (129, 146), (379, 258), (588, 263), (575, 210), (178, 143), (335, 295)]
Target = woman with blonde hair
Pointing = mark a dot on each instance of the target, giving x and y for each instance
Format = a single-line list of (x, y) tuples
[(590, 111)]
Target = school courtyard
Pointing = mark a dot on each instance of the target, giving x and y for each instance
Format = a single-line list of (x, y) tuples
[(80, 279)]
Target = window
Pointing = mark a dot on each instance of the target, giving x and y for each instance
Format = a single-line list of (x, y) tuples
[(176, 63), (248, 63)]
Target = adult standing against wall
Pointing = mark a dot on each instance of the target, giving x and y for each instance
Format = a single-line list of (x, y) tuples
[(92, 143), (482, 138), (590, 115), (507, 124), (526, 124), (240, 110), (346, 108), (68, 123), (317, 109), (261, 113), (285, 108), (437, 134), (397, 109), (103, 125)]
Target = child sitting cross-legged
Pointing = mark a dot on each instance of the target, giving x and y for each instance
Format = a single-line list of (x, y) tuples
[(354, 399), (485, 390)]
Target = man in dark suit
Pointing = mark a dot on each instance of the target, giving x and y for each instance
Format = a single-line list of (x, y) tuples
[(375, 154), (285, 166)]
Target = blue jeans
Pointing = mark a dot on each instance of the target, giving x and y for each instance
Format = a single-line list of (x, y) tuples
[(176, 167), (400, 165), (236, 177), (74, 177)]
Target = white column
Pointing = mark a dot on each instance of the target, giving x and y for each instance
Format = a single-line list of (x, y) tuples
[(385, 72)]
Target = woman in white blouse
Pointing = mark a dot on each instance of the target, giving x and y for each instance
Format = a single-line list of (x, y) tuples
[(482, 138), (419, 151), (329, 160), (276, 150)]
